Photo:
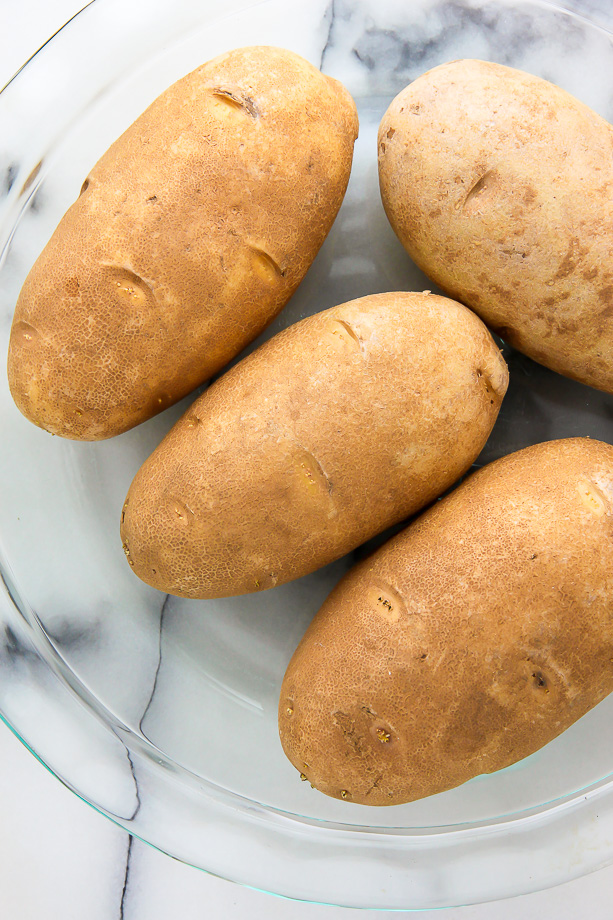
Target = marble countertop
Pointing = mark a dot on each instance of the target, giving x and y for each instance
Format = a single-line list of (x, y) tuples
[(59, 858)]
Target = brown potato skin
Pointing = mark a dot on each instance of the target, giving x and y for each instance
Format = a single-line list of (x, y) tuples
[(500, 187), (468, 641), (191, 234), (338, 427)]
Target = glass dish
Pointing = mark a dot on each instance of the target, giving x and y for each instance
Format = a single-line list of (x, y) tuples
[(161, 712)]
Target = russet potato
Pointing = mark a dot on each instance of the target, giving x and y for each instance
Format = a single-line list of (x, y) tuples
[(338, 427), (469, 640), (500, 187), (190, 234)]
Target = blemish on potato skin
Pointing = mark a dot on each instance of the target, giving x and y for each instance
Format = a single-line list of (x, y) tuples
[(265, 265), (483, 184), (129, 287), (529, 195), (128, 554), (383, 735), (345, 337), (72, 286), (25, 332), (606, 293), (592, 497), (386, 602), (180, 512), (540, 681), (574, 254), (350, 734), (606, 312), (311, 473), (552, 301), (236, 99)]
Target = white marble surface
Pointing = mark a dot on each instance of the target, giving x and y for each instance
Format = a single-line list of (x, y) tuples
[(58, 858)]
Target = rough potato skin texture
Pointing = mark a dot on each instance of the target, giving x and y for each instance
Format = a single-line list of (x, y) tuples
[(190, 235), (500, 187), (468, 641), (338, 427)]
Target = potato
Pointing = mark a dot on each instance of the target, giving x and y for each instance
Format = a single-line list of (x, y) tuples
[(500, 187), (468, 641), (335, 429), (189, 236)]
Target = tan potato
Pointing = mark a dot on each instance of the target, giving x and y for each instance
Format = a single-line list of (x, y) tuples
[(468, 641), (500, 187), (335, 429), (189, 236)]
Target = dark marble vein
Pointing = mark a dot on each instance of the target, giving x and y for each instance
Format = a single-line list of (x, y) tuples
[(137, 807), (136, 789), (159, 663), (126, 879)]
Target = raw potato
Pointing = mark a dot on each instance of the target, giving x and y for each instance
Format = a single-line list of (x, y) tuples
[(467, 642), (335, 429), (189, 236), (500, 187)]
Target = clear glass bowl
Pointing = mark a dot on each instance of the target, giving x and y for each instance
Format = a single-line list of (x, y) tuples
[(160, 712)]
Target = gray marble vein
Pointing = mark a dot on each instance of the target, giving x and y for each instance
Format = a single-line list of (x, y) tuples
[(73, 634), (394, 49), (329, 21), (14, 651), (9, 175)]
